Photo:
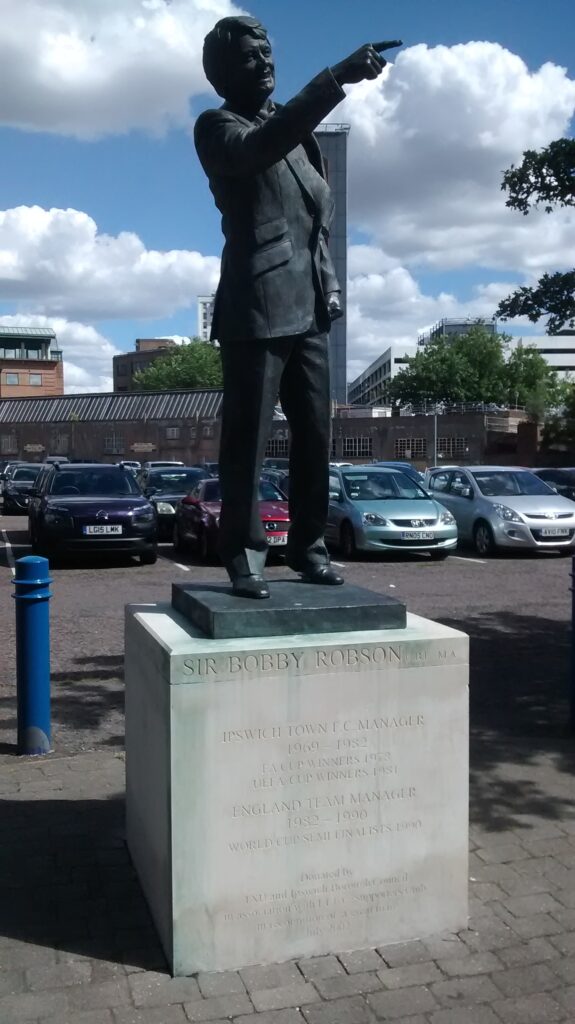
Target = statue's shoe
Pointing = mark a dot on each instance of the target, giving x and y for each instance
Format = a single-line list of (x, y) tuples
[(253, 586), (322, 574)]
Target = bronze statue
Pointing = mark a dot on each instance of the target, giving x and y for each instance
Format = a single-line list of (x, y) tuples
[(278, 292)]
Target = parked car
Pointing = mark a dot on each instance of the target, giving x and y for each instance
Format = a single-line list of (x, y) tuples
[(278, 477), (6, 470), (562, 480), (55, 459), (91, 507), (404, 467), (198, 517), (159, 465), (374, 508), (273, 463), (504, 507), (165, 487), (18, 486), (132, 464)]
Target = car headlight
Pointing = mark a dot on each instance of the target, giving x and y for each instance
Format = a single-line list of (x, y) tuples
[(373, 519), (165, 509), (144, 515), (446, 518), (56, 516), (507, 513)]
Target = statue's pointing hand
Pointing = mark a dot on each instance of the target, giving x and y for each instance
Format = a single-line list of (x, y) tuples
[(365, 62)]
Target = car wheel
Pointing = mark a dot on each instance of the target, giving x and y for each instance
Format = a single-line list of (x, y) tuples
[(347, 544), (483, 539), (438, 556), (149, 557)]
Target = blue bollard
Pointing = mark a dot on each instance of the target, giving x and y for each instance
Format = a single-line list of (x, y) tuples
[(32, 584)]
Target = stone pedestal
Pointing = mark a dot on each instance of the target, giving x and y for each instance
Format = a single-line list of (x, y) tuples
[(297, 795)]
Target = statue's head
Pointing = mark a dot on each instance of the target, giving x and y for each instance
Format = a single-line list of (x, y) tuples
[(238, 61)]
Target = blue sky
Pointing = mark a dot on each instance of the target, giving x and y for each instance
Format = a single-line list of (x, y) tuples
[(108, 135)]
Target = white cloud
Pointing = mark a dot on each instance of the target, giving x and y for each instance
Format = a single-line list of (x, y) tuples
[(429, 143), (56, 262), (94, 67), (387, 307), (87, 354)]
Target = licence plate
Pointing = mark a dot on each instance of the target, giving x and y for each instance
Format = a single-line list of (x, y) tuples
[(280, 538), (554, 531), (417, 535), (101, 529)]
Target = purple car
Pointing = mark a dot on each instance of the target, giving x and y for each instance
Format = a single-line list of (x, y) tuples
[(91, 507)]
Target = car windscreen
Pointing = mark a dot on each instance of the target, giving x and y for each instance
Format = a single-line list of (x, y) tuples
[(26, 473), (269, 492), (381, 486), (175, 481), (509, 483), (98, 482)]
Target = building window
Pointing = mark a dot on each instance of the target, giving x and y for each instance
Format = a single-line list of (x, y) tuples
[(113, 444), (207, 430), (357, 447), (121, 369), (277, 447), (410, 447), (35, 380), (172, 433), (193, 432), (13, 378), (32, 353), (8, 444), (59, 443), (452, 446), (333, 454)]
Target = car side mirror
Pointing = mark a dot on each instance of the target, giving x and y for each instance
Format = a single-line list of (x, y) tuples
[(466, 492), (335, 495)]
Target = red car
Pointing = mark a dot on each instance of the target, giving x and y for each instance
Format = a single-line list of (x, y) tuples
[(198, 517)]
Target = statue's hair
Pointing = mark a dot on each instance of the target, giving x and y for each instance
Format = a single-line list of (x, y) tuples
[(218, 44)]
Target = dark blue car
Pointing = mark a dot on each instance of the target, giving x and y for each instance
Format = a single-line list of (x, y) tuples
[(90, 507)]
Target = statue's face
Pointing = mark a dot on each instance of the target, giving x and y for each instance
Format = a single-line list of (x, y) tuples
[(251, 72)]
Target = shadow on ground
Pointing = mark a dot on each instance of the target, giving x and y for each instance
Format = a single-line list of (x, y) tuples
[(67, 882), (522, 750), (87, 706)]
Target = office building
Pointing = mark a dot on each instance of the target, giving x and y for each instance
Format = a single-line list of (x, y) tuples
[(558, 350), (370, 386), (205, 316), (30, 362), (332, 140), (146, 352), (455, 326)]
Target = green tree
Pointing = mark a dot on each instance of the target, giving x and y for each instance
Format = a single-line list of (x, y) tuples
[(196, 364), (465, 368), (475, 367), (545, 178)]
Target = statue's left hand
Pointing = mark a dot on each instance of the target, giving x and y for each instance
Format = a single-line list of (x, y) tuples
[(334, 306)]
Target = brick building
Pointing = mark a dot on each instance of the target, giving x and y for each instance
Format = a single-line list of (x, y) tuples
[(146, 352), (185, 425), (30, 362)]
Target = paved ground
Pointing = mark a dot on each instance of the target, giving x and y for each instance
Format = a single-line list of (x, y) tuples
[(76, 942)]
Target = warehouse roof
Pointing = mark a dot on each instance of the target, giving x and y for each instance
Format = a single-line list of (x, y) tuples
[(114, 407), (26, 332)]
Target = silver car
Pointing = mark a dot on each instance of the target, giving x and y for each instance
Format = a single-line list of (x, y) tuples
[(372, 508), (504, 506)]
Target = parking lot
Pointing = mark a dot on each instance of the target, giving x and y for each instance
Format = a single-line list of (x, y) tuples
[(515, 608)]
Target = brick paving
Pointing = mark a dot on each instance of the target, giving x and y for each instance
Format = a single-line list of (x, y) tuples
[(77, 944)]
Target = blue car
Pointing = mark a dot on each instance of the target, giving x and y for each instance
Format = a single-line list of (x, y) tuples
[(88, 507), (373, 508)]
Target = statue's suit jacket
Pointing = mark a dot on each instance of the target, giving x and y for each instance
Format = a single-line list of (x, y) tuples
[(268, 181)]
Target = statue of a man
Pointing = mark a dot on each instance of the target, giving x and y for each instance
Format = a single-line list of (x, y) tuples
[(277, 293)]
